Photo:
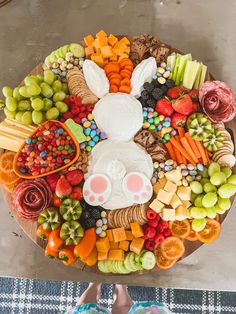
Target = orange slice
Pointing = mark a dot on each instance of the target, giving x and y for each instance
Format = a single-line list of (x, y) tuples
[(162, 262), (9, 188), (172, 248), (6, 162), (180, 228), (211, 232), (8, 178), (192, 236)]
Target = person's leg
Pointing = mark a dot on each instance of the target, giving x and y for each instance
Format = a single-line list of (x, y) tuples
[(122, 300), (90, 295)]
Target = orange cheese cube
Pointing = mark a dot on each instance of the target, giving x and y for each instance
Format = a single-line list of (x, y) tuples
[(89, 51), (125, 40), (136, 245), (123, 56), (88, 40), (110, 235), (116, 255), (103, 245), (101, 34), (129, 235), (127, 50), (119, 48), (107, 51), (124, 245), (119, 234), (113, 58), (96, 45), (102, 41), (97, 58), (114, 245), (112, 40), (102, 256), (136, 229)]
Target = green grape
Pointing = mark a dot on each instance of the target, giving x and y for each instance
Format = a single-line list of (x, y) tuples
[(37, 104), (37, 117), (220, 210), (61, 106), (26, 118), (198, 212), (65, 88), (34, 89), (208, 187), (46, 90), (213, 167), (59, 96), (24, 92), (211, 212), (9, 114), (196, 187), (198, 201), (204, 173), (209, 199), (24, 105), (218, 178), (227, 171), (224, 203), (39, 78), (11, 103), (198, 224), (227, 190), (48, 77), (19, 115), (30, 80), (47, 104), (232, 179), (193, 197), (204, 180), (16, 94), (52, 114), (7, 91), (56, 86)]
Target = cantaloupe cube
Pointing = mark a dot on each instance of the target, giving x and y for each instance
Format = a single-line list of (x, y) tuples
[(102, 256), (125, 40), (114, 245), (129, 235), (127, 50), (107, 51), (89, 51), (97, 58), (103, 244), (113, 57), (119, 234), (116, 255), (123, 56), (136, 245), (124, 245), (102, 41), (136, 229), (119, 48), (101, 34), (112, 40), (110, 235), (89, 40), (96, 45)]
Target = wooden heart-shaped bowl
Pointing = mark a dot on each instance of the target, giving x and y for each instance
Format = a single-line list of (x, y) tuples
[(30, 227)]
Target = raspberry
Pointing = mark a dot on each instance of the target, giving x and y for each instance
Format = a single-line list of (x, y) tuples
[(145, 227), (68, 115), (77, 119), (150, 232), (167, 233), (75, 109), (159, 238), (158, 217), (164, 224), (159, 229), (67, 101), (151, 214), (72, 98), (77, 102), (153, 223), (150, 245)]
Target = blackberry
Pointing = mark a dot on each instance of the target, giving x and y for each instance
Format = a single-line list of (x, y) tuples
[(157, 93), (148, 86), (89, 223), (85, 214), (164, 89), (151, 102), (169, 83), (95, 213), (144, 94)]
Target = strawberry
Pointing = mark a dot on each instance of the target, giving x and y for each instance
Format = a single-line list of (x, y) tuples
[(175, 92), (74, 177), (52, 180), (183, 105), (56, 201), (195, 107), (76, 193), (194, 94), (164, 107), (63, 187), (178, 119)]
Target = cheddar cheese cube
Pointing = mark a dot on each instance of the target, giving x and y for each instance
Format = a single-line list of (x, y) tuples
[(112, 40), (102, 256), (89, 40), (119, 234), (129, 235), (136, 229), (103, 244), (156, 205), (116, 255), (119, 48), (114, 245), (136, 245), (107, 51), (164, 196), (124, 245), (101, 34), (110, 235)]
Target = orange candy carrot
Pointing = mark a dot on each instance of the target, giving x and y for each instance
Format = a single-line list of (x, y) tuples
[(181, 149), (202, 152), (188, 148), (170, 150), (193, 145)]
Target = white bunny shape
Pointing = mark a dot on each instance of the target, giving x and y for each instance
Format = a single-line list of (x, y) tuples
[(119, 170)]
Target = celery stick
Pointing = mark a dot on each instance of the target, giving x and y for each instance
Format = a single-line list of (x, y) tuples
[(203, 75), (190, 73), (174, 73), (197, 80), (171, 61), (181, 68)]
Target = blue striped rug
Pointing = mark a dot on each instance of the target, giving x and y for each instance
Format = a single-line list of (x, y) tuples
[(27, 296)]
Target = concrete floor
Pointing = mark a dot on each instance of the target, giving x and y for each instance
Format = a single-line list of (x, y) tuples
[(30, 29)]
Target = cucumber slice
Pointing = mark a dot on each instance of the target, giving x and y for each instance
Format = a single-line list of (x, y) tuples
[(64, 50), (197, 80), (171, 61), (134, 265), (121, 268), (190, 73), (77, 50), (174, 73), (102, 266), (148, 260), (203, 75), (181, 68), (111, 266), (47, 61), (52, 57), (58, 53), (129, 261)]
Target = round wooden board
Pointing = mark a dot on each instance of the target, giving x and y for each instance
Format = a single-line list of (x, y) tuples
[(30, 227)]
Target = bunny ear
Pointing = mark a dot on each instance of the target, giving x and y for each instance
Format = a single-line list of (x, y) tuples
[(143, 72), (95, 78)]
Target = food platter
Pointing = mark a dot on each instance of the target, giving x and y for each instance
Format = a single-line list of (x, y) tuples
[(30, 227)]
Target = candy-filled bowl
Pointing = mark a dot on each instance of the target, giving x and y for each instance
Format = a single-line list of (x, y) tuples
[(151, 174)]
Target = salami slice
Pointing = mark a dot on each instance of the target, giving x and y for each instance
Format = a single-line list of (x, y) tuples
[(31, 197)]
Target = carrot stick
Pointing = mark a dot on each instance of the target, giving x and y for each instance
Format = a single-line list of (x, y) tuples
[(193, 145), (184, 159), (207, 156), (180, 131), (170, 150), (202, 152), (180, 148), (188, 148), (179, 158)]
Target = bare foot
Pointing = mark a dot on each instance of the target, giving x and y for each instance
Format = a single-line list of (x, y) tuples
[(122, 300), (90, 295)]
